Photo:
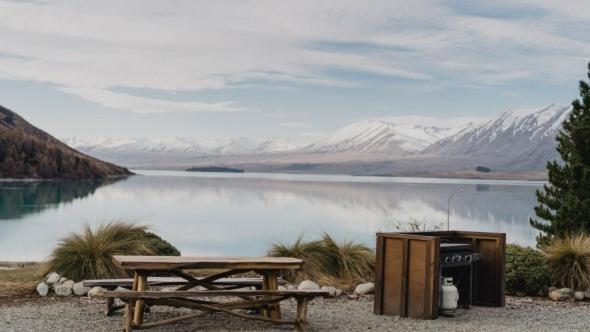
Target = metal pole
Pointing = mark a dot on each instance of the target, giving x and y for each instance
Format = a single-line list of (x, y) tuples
[(449, 207)]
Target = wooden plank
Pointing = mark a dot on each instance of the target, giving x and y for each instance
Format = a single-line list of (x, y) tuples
[(175, 281), (179, 262), (270, 283), (380, 262), (392, 276), (416, 296), (237, 293)]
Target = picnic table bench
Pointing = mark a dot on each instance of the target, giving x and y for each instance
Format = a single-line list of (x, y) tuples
[(265, 300), (113, 284)]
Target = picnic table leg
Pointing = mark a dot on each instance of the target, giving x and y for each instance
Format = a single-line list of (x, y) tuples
[(128, 317), (270, 282), (141, 286), (301, 318)]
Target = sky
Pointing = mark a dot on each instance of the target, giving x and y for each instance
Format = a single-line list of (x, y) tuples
[(295, 69)]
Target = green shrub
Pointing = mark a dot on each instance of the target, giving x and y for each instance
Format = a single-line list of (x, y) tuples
[(88, 255), (157, 245), (568, 259), (526, 270)]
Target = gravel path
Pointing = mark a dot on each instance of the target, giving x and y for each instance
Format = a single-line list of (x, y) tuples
[(520, 314)]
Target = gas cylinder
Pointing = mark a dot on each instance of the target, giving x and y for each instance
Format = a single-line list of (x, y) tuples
[(449, 295)]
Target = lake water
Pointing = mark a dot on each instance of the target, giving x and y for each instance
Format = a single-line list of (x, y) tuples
[(242, 214)]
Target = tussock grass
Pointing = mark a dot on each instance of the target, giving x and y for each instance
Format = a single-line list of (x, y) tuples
[(328, 261), (88, 255), (568, 260)]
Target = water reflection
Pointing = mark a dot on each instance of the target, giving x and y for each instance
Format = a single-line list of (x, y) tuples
[(240, 215), (20, 198)]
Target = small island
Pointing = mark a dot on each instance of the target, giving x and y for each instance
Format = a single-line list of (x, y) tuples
[(216, 169)]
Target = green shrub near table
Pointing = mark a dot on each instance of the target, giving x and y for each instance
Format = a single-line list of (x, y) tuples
[(526, 270)]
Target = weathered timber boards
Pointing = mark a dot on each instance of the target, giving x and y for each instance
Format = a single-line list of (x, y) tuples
[(173, 281), (179, 262), (181, 294)]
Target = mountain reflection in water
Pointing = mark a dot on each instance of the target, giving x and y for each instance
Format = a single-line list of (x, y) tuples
[(242, 214)]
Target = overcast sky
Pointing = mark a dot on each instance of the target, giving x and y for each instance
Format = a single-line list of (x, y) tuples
[(296, 69)]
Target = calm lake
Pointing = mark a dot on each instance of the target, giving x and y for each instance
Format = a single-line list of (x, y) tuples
[(242, 214)]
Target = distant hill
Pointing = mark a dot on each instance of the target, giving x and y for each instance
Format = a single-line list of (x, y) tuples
[(28, 152)]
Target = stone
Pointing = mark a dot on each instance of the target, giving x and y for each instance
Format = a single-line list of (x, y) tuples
[(587, 293), (79, 289), (557, 295), (333, 291), (366, 288), (291, 287), (282, 288), (96, 291), (64, 289), (579, 295), (62, 280), (567, 292), (308, 285), (43, 289), (123, 289), (52, 278)]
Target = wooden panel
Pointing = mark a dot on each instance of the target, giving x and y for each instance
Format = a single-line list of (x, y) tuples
[(179, 262), (408, 284), (489, 273), (393, 280)]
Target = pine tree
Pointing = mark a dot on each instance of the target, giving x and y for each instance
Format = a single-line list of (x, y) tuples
[(564, 204)]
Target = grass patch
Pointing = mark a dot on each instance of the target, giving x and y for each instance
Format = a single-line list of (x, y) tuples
[(327, 261), (568, 259)]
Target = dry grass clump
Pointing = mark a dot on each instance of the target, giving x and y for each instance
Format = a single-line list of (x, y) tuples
[(568, 260), (88, 255), (328, 261)]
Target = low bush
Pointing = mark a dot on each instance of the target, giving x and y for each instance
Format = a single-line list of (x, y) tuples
[(88, 255), (328, 261), (157, 245), (568, 259), (526, 270)]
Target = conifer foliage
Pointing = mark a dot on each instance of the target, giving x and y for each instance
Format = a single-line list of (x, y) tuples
[(564, 204)]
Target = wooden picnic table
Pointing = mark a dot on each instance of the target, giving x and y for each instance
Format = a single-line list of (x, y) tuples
[(267, 299)]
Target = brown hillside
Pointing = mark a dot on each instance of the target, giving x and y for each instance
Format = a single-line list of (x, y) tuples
[(28, 152)]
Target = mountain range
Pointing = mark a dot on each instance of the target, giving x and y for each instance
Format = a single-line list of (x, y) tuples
[(28, 152), (517, 140)]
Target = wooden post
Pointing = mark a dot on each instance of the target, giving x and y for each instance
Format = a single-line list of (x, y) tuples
[(109, 306), (270, 282), (301, 318), (141, 286), (128, 318)]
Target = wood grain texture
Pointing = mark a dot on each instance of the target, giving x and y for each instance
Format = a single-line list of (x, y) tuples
[(175, 281), (179, 262), (237, 293)]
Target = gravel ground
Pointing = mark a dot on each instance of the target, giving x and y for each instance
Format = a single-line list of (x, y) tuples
[(520, 314)]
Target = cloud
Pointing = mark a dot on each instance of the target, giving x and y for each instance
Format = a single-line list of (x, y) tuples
[(195, 46), (295, 124), (145, 105)]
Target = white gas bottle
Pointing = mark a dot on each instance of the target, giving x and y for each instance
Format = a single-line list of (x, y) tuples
[(449, 294)]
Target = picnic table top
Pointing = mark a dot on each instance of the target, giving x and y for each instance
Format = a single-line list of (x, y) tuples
[(181, 262)]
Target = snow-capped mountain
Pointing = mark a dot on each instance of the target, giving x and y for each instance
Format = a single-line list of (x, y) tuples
[(514, 139), (143, 148), (393, 136)]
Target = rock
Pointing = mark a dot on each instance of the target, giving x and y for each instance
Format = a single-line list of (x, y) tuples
[(282, 288), (567, 292), (65, 289), (308, 285), (62, 280), (333, 291), (291, 287), (52, 278), (96, 291), (557, 295), (123, 289), (366, 288), (42, 289), (579, 295), (79, 289), (587, 293)]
